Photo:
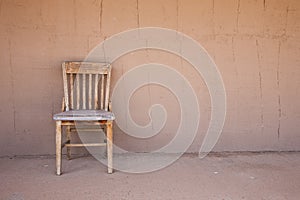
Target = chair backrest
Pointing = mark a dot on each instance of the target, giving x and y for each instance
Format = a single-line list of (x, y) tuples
[(86, 85)]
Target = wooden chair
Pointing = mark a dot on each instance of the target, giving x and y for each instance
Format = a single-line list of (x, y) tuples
[(86, 101)]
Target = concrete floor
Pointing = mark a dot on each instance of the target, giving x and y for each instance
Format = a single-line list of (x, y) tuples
[(219, 176)]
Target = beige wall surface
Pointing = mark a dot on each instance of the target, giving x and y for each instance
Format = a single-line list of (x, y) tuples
[(254, 43)]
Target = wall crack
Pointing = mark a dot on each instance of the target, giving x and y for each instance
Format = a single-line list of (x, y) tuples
[(12, 85), (278, 87), (101, 14), (237, 16), (260, 87), (138, 13)]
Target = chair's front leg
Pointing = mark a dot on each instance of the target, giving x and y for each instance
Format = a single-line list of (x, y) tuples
[(58, 147), (109, 143)]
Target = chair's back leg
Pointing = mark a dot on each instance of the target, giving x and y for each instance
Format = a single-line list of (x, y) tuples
[(68, 142)]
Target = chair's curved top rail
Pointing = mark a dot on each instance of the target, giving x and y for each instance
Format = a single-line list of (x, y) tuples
[(86, 68)]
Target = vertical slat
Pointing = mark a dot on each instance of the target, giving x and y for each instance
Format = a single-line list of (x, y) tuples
[(65, 80), (96, 91), (102, 92), (72, 91), (77, 91), (90, 92), (83, 91), (107, 88)]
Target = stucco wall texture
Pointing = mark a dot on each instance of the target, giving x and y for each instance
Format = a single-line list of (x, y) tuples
[(254, 43)]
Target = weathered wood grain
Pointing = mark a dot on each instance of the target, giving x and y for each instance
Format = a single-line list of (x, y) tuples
[(85, 81)]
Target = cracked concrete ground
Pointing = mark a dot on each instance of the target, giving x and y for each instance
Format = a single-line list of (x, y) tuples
[(218, 176)]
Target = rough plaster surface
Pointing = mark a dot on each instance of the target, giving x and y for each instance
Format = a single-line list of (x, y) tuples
[(274, 176), (255, 45)]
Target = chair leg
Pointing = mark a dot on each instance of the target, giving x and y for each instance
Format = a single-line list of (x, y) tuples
[(109, 143), (58, 147), (68, 141)]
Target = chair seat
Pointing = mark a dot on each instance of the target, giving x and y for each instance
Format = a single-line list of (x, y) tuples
[(84, 115)]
